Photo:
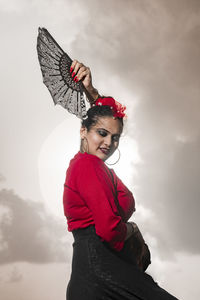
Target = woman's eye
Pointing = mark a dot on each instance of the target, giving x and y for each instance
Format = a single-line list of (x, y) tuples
[(102, 133), (116, 138)]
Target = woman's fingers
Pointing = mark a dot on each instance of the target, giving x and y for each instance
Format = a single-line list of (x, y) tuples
[(80, 72), (75, 67)]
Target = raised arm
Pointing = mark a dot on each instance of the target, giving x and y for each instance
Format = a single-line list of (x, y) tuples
[(81, 72)]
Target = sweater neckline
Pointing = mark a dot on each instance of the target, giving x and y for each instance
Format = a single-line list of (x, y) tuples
[(94, 157), (90, 155)]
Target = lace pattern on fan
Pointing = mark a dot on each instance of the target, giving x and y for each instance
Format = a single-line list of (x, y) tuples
[(55, 66)]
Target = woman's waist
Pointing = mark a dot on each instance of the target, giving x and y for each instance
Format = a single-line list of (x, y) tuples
[(83, 233)]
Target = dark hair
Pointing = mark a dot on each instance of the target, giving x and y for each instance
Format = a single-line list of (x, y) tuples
[(96, 112)]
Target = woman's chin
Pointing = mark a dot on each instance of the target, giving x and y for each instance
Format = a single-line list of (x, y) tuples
[(102, 155)]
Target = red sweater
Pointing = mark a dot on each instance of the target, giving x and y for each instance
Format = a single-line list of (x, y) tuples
[(89, 199)]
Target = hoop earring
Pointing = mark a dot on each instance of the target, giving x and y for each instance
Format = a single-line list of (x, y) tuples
[(116, 160), (81, 148)]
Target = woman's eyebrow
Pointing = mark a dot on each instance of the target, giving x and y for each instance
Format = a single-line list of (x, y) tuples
[(108, 131)]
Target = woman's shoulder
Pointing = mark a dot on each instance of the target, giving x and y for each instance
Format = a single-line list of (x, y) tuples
[(85, 160), (84, 167)]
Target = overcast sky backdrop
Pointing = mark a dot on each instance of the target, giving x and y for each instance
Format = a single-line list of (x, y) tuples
[(146, 54)]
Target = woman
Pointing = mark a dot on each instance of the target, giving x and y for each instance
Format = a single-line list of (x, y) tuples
[(97, 206)]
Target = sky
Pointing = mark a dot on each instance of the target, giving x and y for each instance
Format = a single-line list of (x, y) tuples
[(146, 55)]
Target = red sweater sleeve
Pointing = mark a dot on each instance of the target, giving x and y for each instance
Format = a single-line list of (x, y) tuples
[(95, 188)]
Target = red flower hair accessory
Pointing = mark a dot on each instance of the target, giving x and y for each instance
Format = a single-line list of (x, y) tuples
[(117, 108)]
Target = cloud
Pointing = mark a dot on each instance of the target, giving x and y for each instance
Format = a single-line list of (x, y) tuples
[(139, 51), (15, 275), (156, 59), (13, 6), (29, 233), (2, 178), (170, 188)]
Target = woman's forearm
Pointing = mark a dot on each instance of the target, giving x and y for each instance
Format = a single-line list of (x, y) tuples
[(92, 94)]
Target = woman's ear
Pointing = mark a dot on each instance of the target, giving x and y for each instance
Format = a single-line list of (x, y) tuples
[(83, 132)]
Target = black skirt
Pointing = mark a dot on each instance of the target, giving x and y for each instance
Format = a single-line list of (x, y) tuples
[(101, 273)]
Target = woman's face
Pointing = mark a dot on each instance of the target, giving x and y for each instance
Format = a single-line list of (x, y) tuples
[(103, 138)]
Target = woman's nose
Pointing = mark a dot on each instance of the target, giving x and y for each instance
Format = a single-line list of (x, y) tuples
[(108, 140)]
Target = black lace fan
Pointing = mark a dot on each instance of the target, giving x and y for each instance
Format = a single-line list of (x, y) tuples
[(55, 66)]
